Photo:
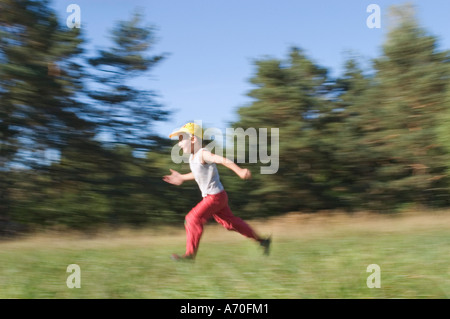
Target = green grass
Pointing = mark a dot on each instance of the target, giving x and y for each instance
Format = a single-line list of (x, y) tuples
[(312, 257)]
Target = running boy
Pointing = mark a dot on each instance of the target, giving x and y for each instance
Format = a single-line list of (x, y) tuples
[(215, 200)]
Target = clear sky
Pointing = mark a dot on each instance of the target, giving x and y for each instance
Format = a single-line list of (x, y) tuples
[(212, 43)]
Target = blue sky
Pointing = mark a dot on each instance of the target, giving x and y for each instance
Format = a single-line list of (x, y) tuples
[(212, 43)]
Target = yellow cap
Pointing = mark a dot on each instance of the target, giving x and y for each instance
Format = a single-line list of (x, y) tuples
[(189, 128)]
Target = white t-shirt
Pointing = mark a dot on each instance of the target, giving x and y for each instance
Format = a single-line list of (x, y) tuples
[(206, 175)]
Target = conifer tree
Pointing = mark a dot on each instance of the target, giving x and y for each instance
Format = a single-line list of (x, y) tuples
[(407, 100), (291, 95), (126, 111), (351, 166), (39, 79)]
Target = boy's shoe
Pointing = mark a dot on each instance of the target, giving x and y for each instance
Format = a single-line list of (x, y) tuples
[(182, 258), (265, 244)]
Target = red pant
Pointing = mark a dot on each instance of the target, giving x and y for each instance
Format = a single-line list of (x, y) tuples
[(212, 206)]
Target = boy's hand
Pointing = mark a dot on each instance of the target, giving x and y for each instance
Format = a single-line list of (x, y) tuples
[(175, 178), (245, 174)]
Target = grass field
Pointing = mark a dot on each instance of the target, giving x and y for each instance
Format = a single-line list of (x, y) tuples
[(313, 256)]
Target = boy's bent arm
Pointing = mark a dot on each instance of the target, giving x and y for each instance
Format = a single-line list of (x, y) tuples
[(243, 173)]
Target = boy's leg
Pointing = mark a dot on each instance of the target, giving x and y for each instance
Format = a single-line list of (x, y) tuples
[(195, 220), (226, 218)]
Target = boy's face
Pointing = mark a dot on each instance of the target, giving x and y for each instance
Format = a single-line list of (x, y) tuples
[(184, 142)]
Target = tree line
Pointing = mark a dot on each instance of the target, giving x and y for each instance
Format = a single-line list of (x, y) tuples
[(77, 147)]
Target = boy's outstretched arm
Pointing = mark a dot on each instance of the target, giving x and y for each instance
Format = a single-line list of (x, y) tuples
[(243, 173), (176, 178)]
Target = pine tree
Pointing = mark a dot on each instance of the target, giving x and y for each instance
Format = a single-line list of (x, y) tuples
[(292, 95), (126, 112), (39, 79), (351, 167), (399, 115)]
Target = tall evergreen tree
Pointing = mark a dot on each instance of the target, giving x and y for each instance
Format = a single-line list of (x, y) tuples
[(291, 95), (39, 79), (408, 100), (126, 112), (125, 116), (351, 165)]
